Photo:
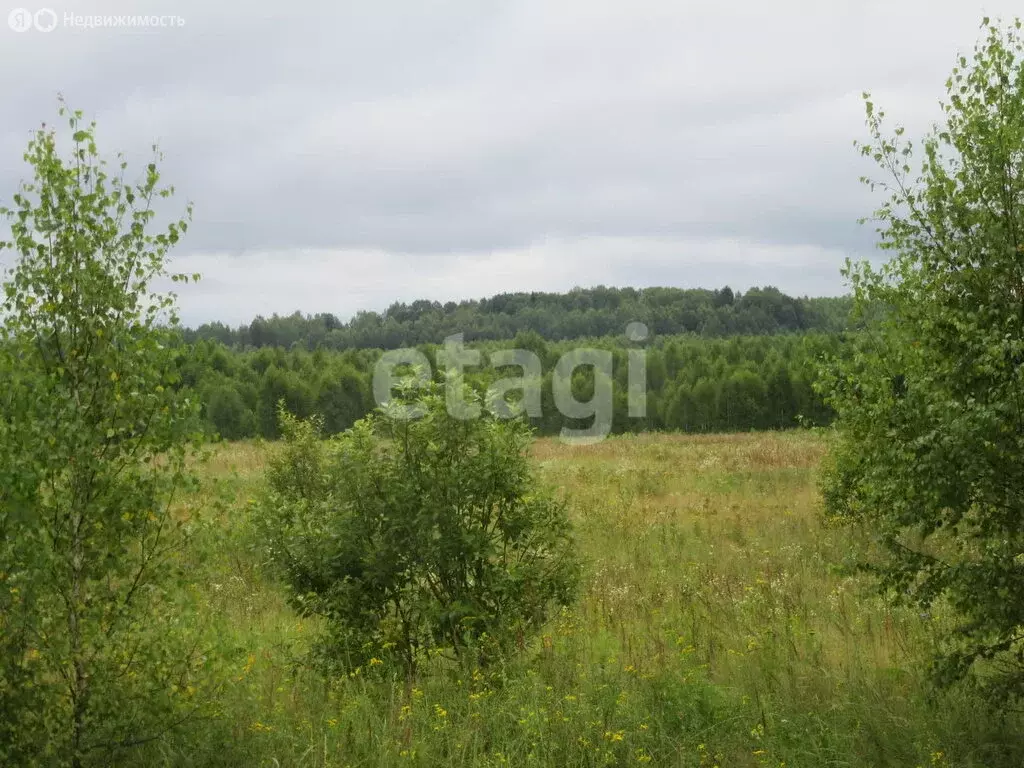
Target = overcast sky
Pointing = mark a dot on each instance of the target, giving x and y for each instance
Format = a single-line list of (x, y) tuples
[(345, 155)]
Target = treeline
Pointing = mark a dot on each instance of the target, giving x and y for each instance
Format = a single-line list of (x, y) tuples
[(590, 312), (692, 384)]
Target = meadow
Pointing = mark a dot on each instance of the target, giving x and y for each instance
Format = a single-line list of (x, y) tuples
[(722, 622)]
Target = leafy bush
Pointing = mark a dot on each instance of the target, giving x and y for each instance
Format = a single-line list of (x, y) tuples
[(416, 535), (931, 430)]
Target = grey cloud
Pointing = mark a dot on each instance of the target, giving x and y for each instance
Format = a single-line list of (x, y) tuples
[(425, 135), (368, 279)]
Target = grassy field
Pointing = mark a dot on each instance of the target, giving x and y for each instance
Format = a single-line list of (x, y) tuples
[(720, 623)]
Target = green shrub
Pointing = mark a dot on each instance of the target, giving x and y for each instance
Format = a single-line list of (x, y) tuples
[(413, 536)]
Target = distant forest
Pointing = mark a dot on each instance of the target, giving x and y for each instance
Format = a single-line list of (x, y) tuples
[(580, 313), (716, 361)]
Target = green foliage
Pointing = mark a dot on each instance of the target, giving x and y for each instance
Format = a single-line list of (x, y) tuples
[(228, 414), (414, 536), (931, 431), (579, 313), (740, 383), (343, 397), (282, 385), (93, 440)]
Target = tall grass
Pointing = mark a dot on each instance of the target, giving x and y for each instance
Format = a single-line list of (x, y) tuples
[(722, 623)]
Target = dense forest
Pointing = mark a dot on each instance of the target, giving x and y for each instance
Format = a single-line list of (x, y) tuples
[(715, 360), (590, 312), (693, 384)]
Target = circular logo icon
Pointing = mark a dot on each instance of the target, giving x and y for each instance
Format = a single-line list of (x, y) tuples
[(19, 20), (45, 20)]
